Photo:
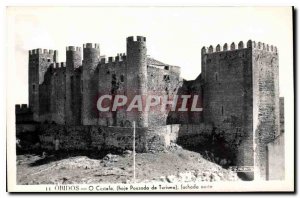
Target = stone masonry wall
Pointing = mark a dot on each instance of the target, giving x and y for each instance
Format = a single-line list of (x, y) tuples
[(265, 102), (227, 97), (192, 88), (112, 81), (136, 77), (52, 97), (102, 137), (91, 56), (281, 108), (276, 159), (23, 114), (39, 62), (161, 82), (73, 61), (67, 93)]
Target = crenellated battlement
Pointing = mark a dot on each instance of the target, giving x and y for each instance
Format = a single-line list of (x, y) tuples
[(91, 45), (119, 58), (63, 64), (136, 39), (263, 46), (42, 51), (73, 48), (239, 46), (22, 108), (58, 65), (111, 59)]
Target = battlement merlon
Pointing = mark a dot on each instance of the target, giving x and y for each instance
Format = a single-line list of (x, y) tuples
[(119, 58), (250, 44), (138, 39), (63, 64), (91, 45), (73, 48), (43, 51), (21, 108), (58, 65)]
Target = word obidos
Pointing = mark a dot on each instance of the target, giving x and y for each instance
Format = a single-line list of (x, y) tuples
[(107, 103)]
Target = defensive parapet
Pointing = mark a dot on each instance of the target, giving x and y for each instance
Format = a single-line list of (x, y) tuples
[(91, 52), (73, 57), (42, 51), (136, 39), (58, 68), (91, 56), (91, 45), (73, 48), (233, 46), (58, 65), (22, 108), (111, 59), (53, 54), (23, 113)]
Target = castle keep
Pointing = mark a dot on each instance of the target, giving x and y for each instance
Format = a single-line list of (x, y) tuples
[(238, 89)]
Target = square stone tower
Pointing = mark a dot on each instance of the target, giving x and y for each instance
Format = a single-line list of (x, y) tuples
[(39, 61), (241, 101)]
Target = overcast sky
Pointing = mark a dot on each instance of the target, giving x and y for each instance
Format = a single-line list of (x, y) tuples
[(175, 35)]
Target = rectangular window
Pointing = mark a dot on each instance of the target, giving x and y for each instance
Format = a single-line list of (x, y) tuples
[(166, 77), (122, 78), (72, 86)]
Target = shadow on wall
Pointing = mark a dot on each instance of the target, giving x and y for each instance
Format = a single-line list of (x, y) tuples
[(207, 141)]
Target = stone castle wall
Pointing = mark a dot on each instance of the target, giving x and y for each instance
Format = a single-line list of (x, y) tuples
[(52, 95), (192, 88), (91, 56), (39, 61), (266, 120), (281, 109), (238, 90), (112, 78), (227, 99), (276, 159), (73, 89), (102, 137), (241, 99), (69, 91), (161, 82), (137, 77), (23, 113)]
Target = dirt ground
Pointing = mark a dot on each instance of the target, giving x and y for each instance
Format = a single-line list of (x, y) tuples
[(167, 166)]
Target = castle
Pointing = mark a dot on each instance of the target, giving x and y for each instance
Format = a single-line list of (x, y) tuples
[(66, 93), (238, 85)]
